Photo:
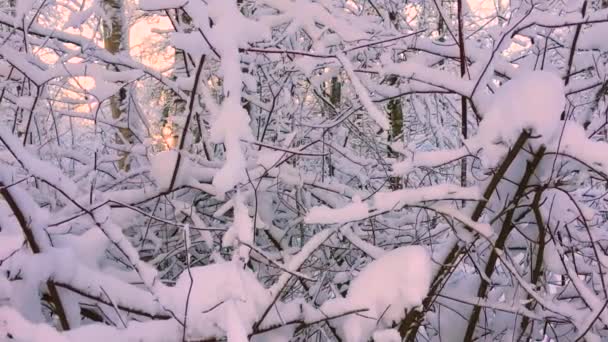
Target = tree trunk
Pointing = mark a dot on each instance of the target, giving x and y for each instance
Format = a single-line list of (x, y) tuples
[(463, 99), (12, 5), (172, 103), (335, 97), (113, 43), (395, 114)]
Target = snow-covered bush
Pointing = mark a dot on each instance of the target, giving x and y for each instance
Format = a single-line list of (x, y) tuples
[(294, 170)]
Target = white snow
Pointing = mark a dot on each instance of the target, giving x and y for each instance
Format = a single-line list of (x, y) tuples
[(552, 259), (156, 5), (307, 15), (90, 246), (225, 299), (387, 335), (22, 8), (257, 240), (481, 228), (594, 37), (385, 201), (240, 234), (231, 125), (363, 94), (532, 100), (397, 281), (189, 42), (357, 210), (163, 166), (574, 142), (427, 159), (25, 102)]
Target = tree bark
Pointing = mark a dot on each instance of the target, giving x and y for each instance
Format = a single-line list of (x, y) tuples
[(463, 99), (54, 296), (408, 327), (113, 43), (501, 240)]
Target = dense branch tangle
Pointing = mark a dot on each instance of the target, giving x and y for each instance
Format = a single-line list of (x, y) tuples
[(290, 144)]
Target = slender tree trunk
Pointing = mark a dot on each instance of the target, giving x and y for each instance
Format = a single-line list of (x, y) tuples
[(463, 99), (172, 104), (54, 297), (395, 113), (11, 4), (537, 270), (335, 97), (408, 327), (113, 43), (29, 235), (336, 91), (441, 26), (505, 231)]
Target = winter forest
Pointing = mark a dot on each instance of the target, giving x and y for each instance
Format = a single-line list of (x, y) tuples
[(303, 170)]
